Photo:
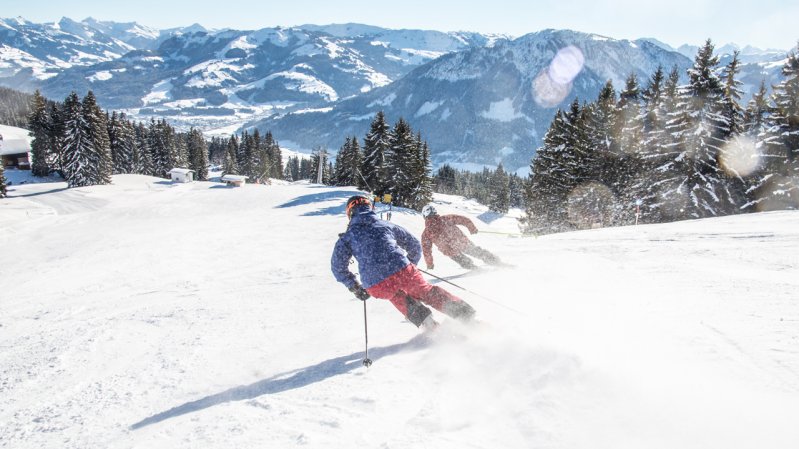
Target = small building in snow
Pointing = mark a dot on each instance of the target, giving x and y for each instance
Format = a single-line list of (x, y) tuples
[(181, 175), (234, 180), (15, 147)]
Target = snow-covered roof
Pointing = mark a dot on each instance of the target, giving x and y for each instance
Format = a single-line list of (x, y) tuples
[(233, 178), (181, 171), (14, 140)]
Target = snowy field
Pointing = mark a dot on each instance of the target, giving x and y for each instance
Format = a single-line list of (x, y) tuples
[(150, 315)]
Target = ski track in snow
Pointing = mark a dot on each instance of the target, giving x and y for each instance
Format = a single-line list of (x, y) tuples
[(147, 314)]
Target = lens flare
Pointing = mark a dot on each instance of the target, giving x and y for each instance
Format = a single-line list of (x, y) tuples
[(566, 65), (548, 93), (740, 156), (554, 83)]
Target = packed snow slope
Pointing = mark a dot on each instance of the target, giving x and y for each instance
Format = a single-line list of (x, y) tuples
[(150, 315)]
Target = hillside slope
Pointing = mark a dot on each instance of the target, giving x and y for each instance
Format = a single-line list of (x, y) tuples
[(146, 314)]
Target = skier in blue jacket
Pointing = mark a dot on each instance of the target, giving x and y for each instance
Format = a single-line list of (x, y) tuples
[(387, 255)]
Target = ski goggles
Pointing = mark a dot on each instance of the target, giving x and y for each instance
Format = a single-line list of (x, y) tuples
[(357, 202)]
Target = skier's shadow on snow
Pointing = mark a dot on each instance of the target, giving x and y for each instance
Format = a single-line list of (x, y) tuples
[(324, 196), (285, 381)]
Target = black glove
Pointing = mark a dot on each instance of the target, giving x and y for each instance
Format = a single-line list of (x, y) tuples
[(359, 292)]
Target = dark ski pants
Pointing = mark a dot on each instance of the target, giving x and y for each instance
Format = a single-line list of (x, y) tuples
[(409, 292), (474, 251)]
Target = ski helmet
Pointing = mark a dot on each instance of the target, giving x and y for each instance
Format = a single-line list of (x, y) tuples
[(429, 211), (354, 201)]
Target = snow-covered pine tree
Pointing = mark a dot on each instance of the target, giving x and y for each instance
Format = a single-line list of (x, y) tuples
[(263, 149), (287, 172), (401, 161), (786, 114), (664, 158), (603, 124), (757, 112), (158, 151), (756, 131), (550, 180), (112, 128), (39, 127), (181, 148), (245, 156), (516, 187), (499, 191), (230, 167), (355, 162), (142, 155), (198, 154), (562, 190), (627, 170), (122, 138), (731, 100), (345, 171), (655, 139), (216, 150), (306, 168), (375, 149), (737, 149), (274, 154), (699, 131), (630, 121), (269, 156), (164, 147), (97, 135), (422, 193), (587, 201), (259, 159), (327, 178), (56, 139), (127, 145), (445, 180), (293, 168), (77, 147), (782, 190), (277, 159)]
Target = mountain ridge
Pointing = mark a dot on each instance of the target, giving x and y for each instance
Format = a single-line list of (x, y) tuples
[(315, 84)]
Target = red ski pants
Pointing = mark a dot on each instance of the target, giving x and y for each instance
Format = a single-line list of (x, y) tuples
[(407, 286)]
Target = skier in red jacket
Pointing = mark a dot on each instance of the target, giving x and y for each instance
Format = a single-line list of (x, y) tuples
[(443, 231)]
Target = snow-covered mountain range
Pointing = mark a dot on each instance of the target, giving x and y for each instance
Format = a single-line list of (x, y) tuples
[(212, 78), (491, 104), (477, 98)]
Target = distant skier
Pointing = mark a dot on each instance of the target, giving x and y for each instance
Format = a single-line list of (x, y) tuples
[(387, 255), (451, 241)]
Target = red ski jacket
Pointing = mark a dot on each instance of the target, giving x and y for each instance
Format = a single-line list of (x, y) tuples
[(444, 232)]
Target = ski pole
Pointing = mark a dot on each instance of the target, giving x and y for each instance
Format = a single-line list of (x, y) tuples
[(473, 293), (364, 181), (367, 362), (509, 234)]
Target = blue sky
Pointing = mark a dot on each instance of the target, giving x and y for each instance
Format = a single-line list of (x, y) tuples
[(762, 23)]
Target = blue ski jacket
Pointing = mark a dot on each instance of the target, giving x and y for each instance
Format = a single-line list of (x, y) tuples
[(381, 249)]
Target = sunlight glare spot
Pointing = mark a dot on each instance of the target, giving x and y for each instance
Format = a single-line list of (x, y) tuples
[(553, 84), (566, 65), (740, 156)]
